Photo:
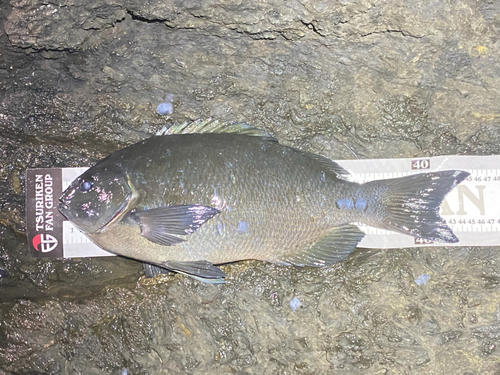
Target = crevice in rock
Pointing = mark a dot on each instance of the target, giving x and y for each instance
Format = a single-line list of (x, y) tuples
[(313, 27), (144, 19), (388, 31)]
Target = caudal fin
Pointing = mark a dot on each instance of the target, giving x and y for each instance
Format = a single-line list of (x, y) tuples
[(410, 204)]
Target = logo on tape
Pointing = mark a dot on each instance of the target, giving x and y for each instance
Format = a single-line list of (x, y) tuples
[(44, 223), (44, 243)]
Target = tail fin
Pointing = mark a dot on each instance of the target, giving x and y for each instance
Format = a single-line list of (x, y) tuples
[(410, 204)]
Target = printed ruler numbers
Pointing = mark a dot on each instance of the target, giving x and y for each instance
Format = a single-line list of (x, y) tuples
[(477, 199), (420, 164)]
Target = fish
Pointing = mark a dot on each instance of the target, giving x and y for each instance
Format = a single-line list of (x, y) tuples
[(206, 193)]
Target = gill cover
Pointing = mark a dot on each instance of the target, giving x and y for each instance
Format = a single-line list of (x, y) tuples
[(96, 199)]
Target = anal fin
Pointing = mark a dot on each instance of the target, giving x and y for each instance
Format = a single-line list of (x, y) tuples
[(332, 248)]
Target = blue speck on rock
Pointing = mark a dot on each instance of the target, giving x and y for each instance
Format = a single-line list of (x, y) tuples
[(295, 303), (422, 279), (165, 109)]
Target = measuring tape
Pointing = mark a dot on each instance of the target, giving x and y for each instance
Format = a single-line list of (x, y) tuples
[(472, 209)]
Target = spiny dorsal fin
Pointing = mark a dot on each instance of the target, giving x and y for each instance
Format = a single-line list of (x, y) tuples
[(214, 126)]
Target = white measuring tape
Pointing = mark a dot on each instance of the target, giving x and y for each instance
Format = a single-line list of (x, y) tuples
[(472, 209)]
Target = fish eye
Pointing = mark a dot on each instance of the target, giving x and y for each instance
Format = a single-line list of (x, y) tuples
[(86, 186)]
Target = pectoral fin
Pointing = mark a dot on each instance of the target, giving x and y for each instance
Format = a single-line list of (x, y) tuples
[(200, 270), (332, 248), (161, 225)]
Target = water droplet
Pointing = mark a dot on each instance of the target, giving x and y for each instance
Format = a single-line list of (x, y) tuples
[(422, 279)]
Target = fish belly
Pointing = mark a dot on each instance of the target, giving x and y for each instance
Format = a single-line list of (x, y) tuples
[(268, 235)]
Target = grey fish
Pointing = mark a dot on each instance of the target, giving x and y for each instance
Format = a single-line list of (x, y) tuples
[(209, 193)]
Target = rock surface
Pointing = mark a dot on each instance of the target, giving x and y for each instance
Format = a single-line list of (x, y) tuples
[(345, 79)]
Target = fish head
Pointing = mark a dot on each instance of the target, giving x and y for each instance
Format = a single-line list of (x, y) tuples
[(96, 199)]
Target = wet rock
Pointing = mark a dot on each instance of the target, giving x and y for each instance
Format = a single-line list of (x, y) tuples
[(42, 25)]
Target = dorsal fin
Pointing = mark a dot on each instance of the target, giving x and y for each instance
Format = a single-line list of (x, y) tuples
[(330, 165), (214, 126)]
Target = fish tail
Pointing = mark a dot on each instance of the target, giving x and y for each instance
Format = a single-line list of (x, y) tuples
[(410, 204)]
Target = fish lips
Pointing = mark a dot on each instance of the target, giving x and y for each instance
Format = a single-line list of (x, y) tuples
[(63, 206)]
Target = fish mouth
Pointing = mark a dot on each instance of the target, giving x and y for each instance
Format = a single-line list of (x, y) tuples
[(63, 205)]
